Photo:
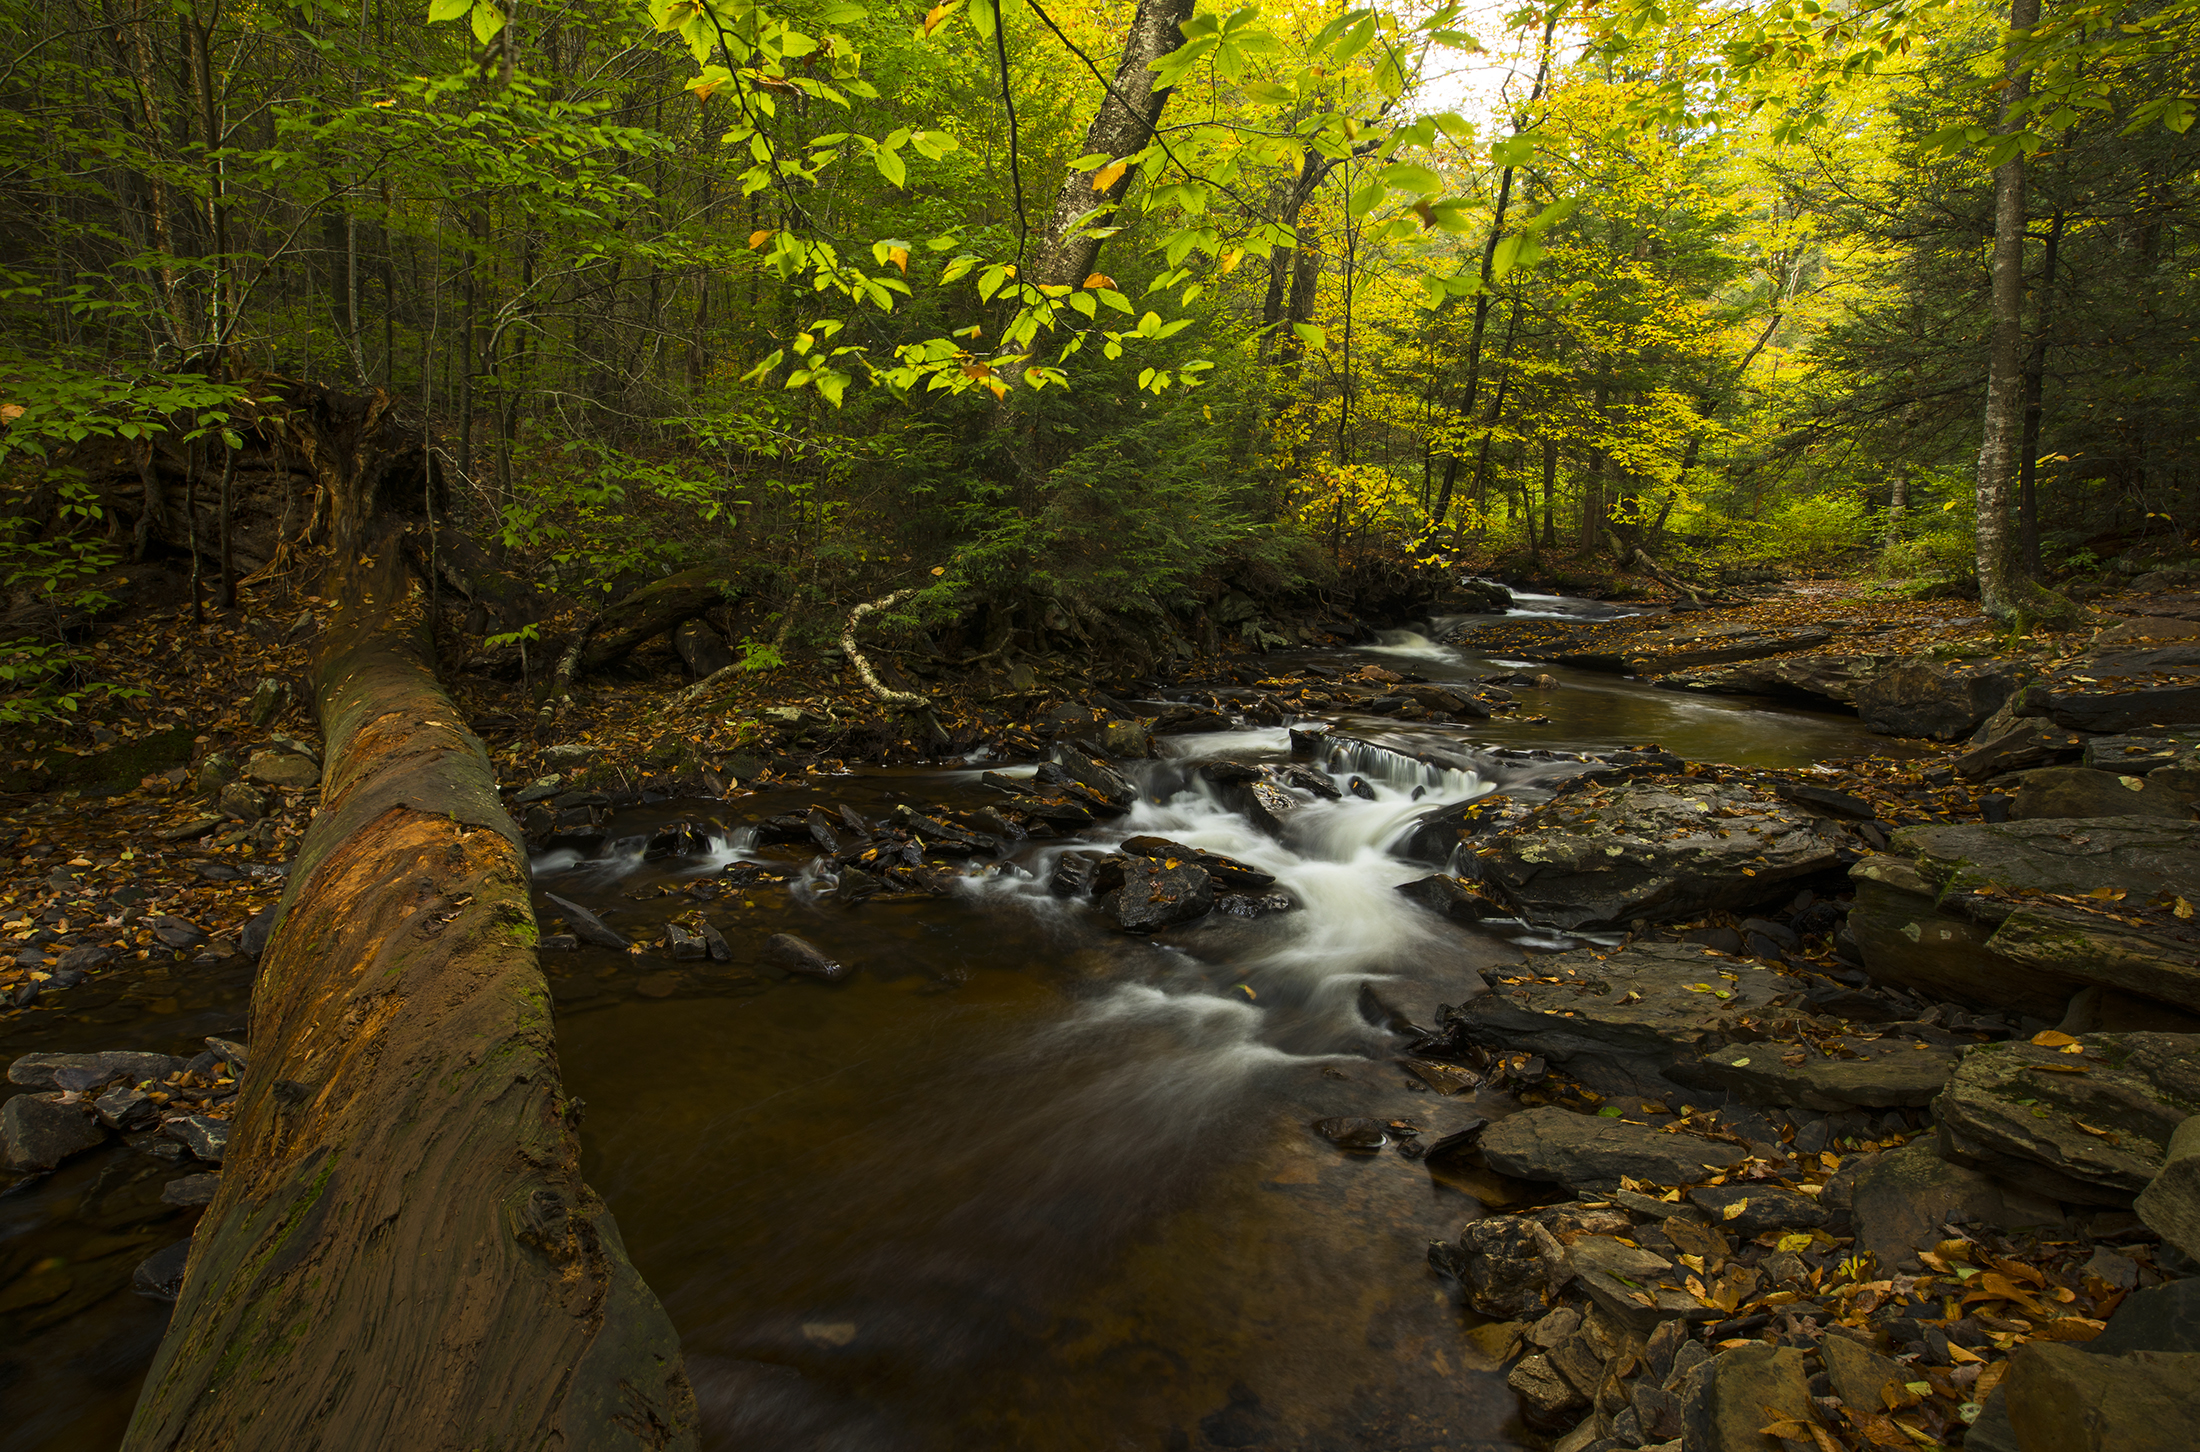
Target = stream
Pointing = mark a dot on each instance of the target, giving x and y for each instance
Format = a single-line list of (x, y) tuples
[(1021, 1180)]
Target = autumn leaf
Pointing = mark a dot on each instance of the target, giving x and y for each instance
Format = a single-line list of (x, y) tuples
[(1107, 176)]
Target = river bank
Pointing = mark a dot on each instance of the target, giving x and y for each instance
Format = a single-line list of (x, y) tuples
[(698, 843)]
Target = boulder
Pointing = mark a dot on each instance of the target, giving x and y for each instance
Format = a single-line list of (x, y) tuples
[(701, 649), (1267, 805), (2170, 1204), (2100, 1120), (2077, 791), (283, 769), (45, 1071), (203, 1135), (1227, 872), (245, 801), (586, 925), (1511, 1266), (2127, 691), (1939, 700), (1598, 858), (2025, 745), (1750, 1210), (1591, 1152), (1884, 1073), (1920, 921), (1900, 1199), (1094, 775), (2067, 1400), (1823, 677), (1156, 895), (1622, 1022), (1452, 898), (804, 959), (1437, 834), (1864, 1380), (1743, 1391), (38, 1131)]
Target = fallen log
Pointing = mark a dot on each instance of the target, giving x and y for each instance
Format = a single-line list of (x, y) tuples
[(651, 611), (402, 1252)]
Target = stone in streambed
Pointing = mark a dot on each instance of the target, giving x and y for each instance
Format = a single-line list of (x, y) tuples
[(1353, 1133), (1941, 700), (1094, 775), (2124, 691), (2077, 791), (2170, 1204), (206, 1137), (1510, 1266), (1657, 850), (1155, 895), (2103, 1118), (2067, 1400), (585, 925), (43, 1071), (1761, 1208), (1452, 898), (160, 1275), (1887, 1073), (1620, 1022), (1227, 872), (191, 1190), (682, 945), (1900, 1199), (788, 952), (2032, 744), (38, 1131), (1743, 1391), (1593, 1152)]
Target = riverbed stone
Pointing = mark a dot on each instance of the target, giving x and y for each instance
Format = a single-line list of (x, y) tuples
[(1592, 1152), (160, 1275), (1227, 872), (2066, 1400), (1863, 1379), (1622, 1022), (1602, 857), (1885, 1073), (2125, 691), (2023, 746), (1510, 1266), (1155, 895), (1452, 898), (1935, 699), (1686, 646), (1824, 676), (43, 1071), (1094, 775), (2103, 1117), (191, 1189), (39, 1131), (1741, 1392), (803, 958), (2170, 1204), (202, 1134), (1899, 1199), (2078, 791), (586, 925)]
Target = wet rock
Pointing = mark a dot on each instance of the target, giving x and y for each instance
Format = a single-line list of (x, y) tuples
[(124, 1107), (1620, 1022), (1743, 1391), (2101, 1120), (160, 1275), (1452, 898), (1826, 677), (1253, 904), (2029, 744), (1824, 801), (566, 755), (1760, 1208), (270, 698), (245, 801), (2126, 691), (191, 1190), (1657, 851), (788, 952), (1900, 1199), (2067, 1400), (1919, 922), (282, 769), (2170, 1204), (542, 789), (204, 1136), (45, 1071), (215, 772), (85, 959), (585, 925), (1094, 775), (1545, 1395), (38, 1131), (1438, 834), (1510, 1266), (1125, 739), (252, 941), (1155, 896), (1267, 805), (1886, 1073), (1591, 1152), (1227, 872), (714, 943), (1073, 873), (1939, 700), (682, 945), (1352, 1133), (2077, 791)]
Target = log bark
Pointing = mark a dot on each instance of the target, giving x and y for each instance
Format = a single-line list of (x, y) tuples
[(402, 1252), (651, 611)]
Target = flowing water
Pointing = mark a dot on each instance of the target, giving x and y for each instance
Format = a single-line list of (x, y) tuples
[(1022, 1180)]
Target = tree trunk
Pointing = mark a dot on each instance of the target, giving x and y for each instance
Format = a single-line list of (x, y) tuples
[(2035, 379), (1122, 127), (402, 1252), (2004, 423)]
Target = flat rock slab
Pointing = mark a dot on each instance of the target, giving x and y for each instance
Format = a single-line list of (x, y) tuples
[(1939, 700), (1825, 677), (2079, 791), (38, 1131), (1621, 1021), (1675, 650), (43, 1071), (282, 769), (1887, 1073), (2126, 691), (1591, 1152), (1901, 1199), (2144, 1401), (1743, 1391), (1603, 856), (2102, 1117), (1158, 893)]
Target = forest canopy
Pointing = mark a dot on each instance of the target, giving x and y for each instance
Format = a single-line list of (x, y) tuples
[(1059, 321)]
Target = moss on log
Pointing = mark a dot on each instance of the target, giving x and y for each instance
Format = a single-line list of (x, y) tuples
[(402, 1252)]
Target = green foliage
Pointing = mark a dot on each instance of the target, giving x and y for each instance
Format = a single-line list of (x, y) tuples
[(760, 655), (1818, 531)]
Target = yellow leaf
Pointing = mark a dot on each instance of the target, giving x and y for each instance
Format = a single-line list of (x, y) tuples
[(939, 569), (937, 14), (1797, 1242), (899, 256), (1107, 176), (758, 239), (2184, 908), (1099, 279), (2052, 1038), (1734, 1210)]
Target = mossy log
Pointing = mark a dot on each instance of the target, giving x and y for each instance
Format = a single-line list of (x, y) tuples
[(650, 612), (402, 1253)]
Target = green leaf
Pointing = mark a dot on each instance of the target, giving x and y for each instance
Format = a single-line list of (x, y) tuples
[(1513, 150), (440, 10), (1363, 201), (890, 165), (488, 19), (1311, 334), (1406, 177)]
